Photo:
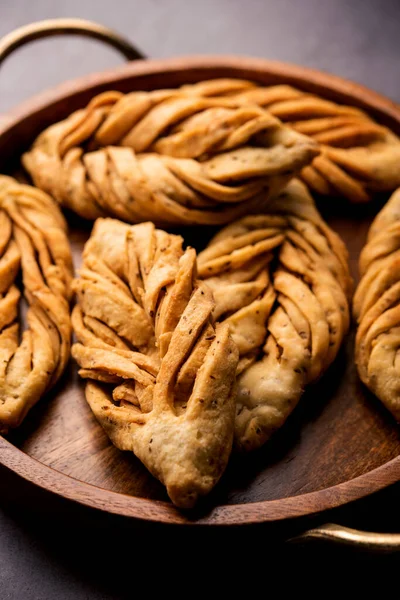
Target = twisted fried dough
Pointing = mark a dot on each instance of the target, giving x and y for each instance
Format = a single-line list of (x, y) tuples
[(169, 156), (377, 309), (281, 281), (33, 241), (358, 156), (144, 328)]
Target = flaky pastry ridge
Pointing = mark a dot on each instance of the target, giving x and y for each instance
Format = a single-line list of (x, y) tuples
[(358, 157), (161, 375), (281, 281), (34, 243), (174, 157), (377, 310)]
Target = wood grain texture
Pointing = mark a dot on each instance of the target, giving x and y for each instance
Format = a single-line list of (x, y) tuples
[(339, 444)]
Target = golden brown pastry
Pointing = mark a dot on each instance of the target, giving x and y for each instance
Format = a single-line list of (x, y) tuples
[(161, 375), (33, 241), (281, 281), (377, 310), (358, 156), (169, 156)]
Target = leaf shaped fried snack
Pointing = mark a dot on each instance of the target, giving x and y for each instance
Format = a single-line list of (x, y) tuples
[(281, 281), (144, 327), (376, 308), (33, 240), (169, 156), (359, 157)]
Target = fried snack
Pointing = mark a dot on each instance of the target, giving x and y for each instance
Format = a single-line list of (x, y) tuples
[(33, 241), (281, 281), (377, 310), (358, 156), (174, 157), (161, 375)]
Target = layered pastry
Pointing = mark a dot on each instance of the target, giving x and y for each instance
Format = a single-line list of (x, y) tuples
[(173, 157), (358, 157), (377, 308), (281, 281), (179, 364), (161, 374), (34, 246)]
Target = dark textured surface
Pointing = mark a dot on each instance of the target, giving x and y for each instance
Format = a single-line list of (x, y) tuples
[(53, 550)]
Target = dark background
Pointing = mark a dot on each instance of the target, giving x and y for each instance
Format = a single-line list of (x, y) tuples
[(357, 39), (52, 549)]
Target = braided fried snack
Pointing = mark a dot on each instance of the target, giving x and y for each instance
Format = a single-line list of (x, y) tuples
[(161, 375), (281, 281), (358, 156), (33, 240), (169, 156), (377, 308)]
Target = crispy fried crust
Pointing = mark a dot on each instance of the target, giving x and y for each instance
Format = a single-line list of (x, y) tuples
[(144, 327), (358, 156), (169, 156), (33, 240), (376, 307), (281, 281)]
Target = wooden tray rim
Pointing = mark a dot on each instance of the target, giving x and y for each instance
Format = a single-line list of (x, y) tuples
[(59, 483), (310, 78)]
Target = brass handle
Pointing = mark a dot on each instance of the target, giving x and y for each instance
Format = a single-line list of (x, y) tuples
[(42, 29), (363, 540)]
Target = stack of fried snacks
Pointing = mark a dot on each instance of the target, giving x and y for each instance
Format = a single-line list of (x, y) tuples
[(174, 157), (33, 240), (377, 308), (281, 281), (162, 376), (358, 157)]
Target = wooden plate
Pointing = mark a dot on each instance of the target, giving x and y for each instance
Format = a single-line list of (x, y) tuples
[(339, 445)]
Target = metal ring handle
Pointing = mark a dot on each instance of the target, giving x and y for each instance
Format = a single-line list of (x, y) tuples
[(42, 29), (363, 540)]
